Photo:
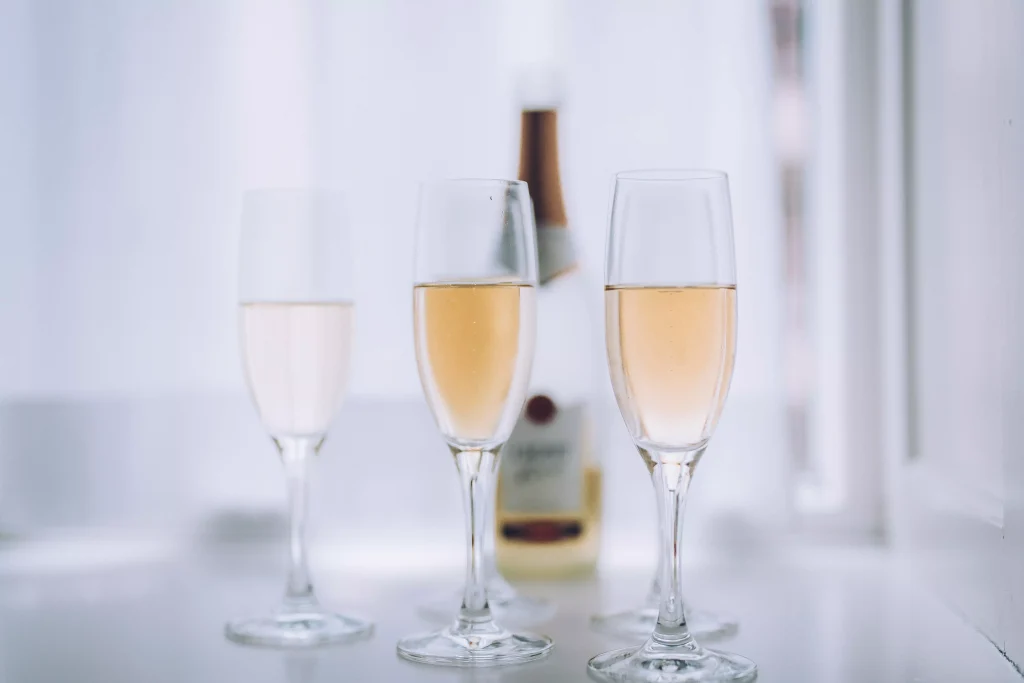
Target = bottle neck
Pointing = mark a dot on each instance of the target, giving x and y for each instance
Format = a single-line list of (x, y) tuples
[(538, 166)]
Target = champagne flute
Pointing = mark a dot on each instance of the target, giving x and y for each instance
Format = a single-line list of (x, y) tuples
[(474, 320), (670, 322), (295, 322)]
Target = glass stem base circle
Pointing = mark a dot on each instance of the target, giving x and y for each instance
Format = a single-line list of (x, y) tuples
[(299, 629), (656, 663), (466, 644)]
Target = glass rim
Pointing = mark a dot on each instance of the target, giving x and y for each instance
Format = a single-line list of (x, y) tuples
[(507, 182), (668, 175)]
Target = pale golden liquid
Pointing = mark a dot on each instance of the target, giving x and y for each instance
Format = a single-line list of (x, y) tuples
[(471, 347), (670, 352), (297, 362)]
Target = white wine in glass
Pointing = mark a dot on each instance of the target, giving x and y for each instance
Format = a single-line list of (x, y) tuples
[(670, 316), (468, 378), (297, 362), (469, 340), (671, 353), (295, 329), (474, 324), (655, 352)]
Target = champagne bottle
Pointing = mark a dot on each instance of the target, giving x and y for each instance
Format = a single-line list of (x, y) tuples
[(549, 491)]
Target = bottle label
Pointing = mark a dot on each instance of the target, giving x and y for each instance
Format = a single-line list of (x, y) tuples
[(542, 463)]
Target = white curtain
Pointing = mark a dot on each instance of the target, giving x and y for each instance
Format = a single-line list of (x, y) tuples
[(128, 131)]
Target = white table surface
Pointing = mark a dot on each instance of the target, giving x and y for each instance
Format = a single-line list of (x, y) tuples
[(826, 616)]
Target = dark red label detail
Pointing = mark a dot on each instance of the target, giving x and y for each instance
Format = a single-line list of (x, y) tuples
[(541, 531), (540, 409)]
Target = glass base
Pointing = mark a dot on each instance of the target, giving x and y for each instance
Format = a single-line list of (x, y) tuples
[(474, 647), (305, 628), (655, 663), (506, 603), (638, 624)]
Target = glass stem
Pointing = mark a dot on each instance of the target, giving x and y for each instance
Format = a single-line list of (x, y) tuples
[(490, 562), (499, 591), (476, 470), (654, 592), (672, 479), (296, 452)]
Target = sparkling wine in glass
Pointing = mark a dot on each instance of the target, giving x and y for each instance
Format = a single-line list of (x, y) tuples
[(639, 622), (474, 320), (670, 325), (295, 325), (296, 359)]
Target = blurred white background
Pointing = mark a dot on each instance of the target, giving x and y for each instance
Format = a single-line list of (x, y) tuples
[(875, 152), (131, 131), (134, 129)]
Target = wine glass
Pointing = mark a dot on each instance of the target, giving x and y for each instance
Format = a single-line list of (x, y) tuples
[(474, 320), (670, 323), (295, 323), (639, 622)]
